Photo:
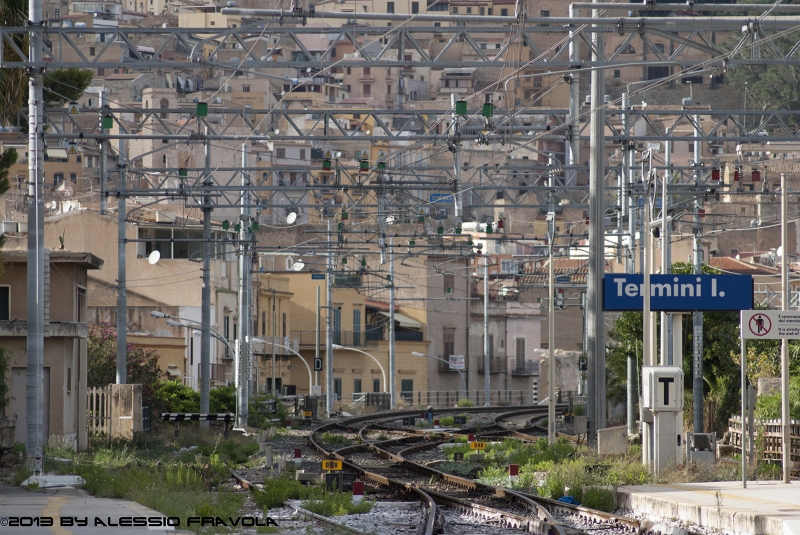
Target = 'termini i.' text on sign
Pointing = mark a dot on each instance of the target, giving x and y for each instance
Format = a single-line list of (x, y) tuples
[(678, 293)]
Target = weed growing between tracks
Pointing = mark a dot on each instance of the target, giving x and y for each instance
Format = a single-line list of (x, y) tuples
[(151, 470), (337, 504)]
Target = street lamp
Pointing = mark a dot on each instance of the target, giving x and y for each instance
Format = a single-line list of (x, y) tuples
[(383, 372), (310, 383), (463, 380)]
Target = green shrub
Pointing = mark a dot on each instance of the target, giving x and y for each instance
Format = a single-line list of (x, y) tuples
[(177, 397), (577, 410), (337, 504), (599, 498), (336, 439), (222, 399), (277, 491), (21, 474), (465, 403), (258, 416)]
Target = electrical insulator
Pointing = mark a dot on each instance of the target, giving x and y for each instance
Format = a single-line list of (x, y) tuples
[(756, 175), (715, 173)]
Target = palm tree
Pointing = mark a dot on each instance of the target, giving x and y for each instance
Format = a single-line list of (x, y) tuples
[(13, 82)]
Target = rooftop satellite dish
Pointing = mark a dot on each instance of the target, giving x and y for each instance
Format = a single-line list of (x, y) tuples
[(291, 218), (153, 258), (298, 266), (390, 220)]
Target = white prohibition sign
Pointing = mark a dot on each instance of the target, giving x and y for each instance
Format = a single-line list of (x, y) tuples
[(760, 325)]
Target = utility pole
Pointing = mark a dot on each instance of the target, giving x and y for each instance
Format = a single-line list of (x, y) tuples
[(103, 155), (647, 331), (487, 376), (205, 312), (551, 332), (596, 391), (697, 318), (274, 334), (573, 139), (666, 256), (122, 275), (456, 148), (785, 430), (245, 264), (627, 211), (328, 324), (316, 346), (392, 356), (34, 395)]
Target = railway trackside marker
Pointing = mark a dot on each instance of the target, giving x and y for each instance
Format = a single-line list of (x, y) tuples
[(332, 466), (477, 445)]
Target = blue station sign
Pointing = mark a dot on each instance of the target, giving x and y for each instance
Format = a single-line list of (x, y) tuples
[(442, 197), (678, 293)]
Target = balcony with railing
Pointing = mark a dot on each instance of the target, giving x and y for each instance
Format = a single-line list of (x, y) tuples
[(342, 338), (496, 364), (524, 367), (445, 366)]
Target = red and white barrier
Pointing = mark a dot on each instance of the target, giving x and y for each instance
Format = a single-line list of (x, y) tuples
[(358, 491), (298, 457), (513, 471)]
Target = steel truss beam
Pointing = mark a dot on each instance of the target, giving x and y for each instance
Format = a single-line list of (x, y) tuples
[(686, 33)]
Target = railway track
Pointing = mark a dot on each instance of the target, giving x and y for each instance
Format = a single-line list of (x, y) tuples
[(384, 459)]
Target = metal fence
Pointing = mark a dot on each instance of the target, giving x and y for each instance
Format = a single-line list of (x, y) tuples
[(448, 398), (98, 410), (772, 434), (496, 364)]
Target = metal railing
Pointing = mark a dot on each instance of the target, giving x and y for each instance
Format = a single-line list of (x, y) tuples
[(526, 367), (449, 398), (496, 364), (342, 338)]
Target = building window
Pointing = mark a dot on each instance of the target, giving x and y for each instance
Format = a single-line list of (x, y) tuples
[(73, 177), (544, 13), (58, 178), (414, 7), (481, 10), (449, 283), (489, 11), (617, 73), (245, 89), (366, 89), (407, 389), (503, 12), (349, 70), (5, 303), (357, 386), (455, 11), (91, 51), (337, 325), (226, 327), (69, 380), (437, 24), (280, 152), (448, 342), (356, 327), (213, 23), (333, 52), (80, 304), (390, 7), (376, 385), (337, 388), (283, 324), (302, 154), (263, 323), (469, 10), (520, 353)]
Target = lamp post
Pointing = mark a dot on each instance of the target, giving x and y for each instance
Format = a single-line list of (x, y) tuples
[(463, 380), (298, 355), (383, 372)]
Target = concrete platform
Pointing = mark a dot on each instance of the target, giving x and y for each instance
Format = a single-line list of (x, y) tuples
[(763, 508), (64, 504)]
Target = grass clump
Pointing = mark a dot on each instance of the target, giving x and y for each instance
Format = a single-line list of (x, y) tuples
[(173, 490), (337, 504), (277, 491), (21, 474), (599, 498), (466, 403), (336, 439)]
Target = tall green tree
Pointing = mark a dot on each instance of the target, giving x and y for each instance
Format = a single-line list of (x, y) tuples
[(61, 85), (142, 365)]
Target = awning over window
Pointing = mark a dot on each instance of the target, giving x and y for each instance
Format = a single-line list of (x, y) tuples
[(403, 320)]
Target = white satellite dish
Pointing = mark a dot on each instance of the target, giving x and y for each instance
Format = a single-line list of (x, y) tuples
[(153, 258), (779, 252), (390, 220), (291, 218), (298, 266)]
